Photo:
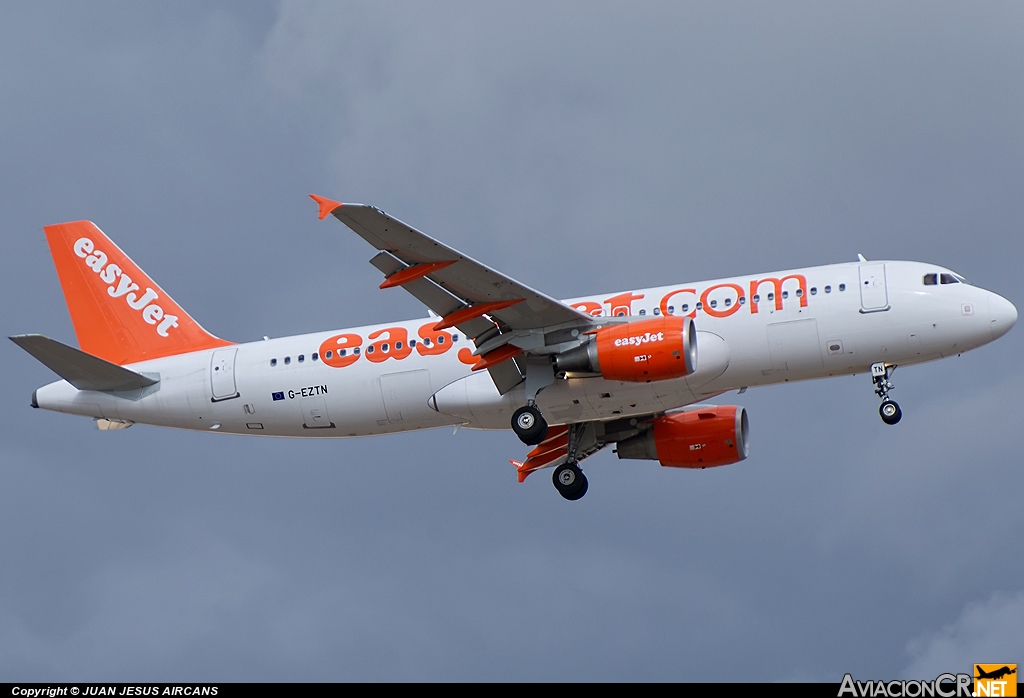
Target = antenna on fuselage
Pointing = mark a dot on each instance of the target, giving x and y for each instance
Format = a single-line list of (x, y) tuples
[(860, 257)]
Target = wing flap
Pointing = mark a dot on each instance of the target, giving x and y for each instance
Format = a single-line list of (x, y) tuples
[(84, 371)]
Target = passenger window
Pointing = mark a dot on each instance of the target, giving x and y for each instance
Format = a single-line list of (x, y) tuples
[(672, 310), (814, 290), (743, 299), (799, 293), (771, 296), (657, 311), (785, 295), (842, 287), (356, 351), (383, 347), (931, 279), (426, 341), (948, 279), (728, 302), (329, 354), (828, 289), (643, 312), (369, 349), (686, 307), (287, 360), (440, 339), (302, 357), (700, 306), (341, 352), (398, 346), (315, 356), (713, 304), (455, 337), (412, 342), (273, 362), (756, 298)]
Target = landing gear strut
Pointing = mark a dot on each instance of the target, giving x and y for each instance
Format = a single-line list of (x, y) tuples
[(889, 410), (569, 480), (529, 424)]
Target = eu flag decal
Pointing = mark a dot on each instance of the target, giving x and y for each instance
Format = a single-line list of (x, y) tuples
[(278, 396)]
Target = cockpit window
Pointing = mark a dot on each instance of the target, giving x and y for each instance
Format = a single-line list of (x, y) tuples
[(948, 279), (931, 279), (961, 279)]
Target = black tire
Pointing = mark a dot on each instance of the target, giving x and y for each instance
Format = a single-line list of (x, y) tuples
[(890, 412), (529, 425), (570, 481), (580, 491)]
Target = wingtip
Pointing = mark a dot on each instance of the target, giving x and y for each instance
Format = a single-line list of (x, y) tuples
[(521, 472), (327, 206)]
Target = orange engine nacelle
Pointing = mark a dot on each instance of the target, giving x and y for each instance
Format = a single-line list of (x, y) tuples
[(700, 438), (637, 352)]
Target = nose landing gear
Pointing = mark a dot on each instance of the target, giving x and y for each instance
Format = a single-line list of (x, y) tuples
[(888, 410)]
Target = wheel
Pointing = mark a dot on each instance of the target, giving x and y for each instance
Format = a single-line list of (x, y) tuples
[(570, 481), (529, 425), (580, 491), (890, 412)]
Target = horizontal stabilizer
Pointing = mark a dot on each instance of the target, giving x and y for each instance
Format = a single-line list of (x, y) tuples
[(84, 371)]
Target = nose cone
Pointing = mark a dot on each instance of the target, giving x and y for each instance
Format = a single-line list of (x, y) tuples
[(1002, 314)]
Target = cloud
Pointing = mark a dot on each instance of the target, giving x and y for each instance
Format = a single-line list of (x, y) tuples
[(985, 632), (579, 147)]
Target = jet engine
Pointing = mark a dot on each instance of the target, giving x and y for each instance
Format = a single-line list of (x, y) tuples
[(701, 438), (636, 352)]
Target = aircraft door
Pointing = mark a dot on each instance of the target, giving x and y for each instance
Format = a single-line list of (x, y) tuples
[(794, 345), (873, 294), (405, 394), (222, 374), (314, 413)]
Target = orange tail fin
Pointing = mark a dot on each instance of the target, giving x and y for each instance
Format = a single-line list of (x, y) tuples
[(119, 313)]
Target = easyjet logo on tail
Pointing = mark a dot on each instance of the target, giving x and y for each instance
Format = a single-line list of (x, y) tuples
[(120, 285)]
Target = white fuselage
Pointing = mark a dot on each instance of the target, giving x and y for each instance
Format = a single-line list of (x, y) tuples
[(834, 320)]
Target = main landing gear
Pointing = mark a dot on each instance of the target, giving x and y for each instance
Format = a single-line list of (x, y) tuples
[(889, 410), (568, 479), (529, 424)]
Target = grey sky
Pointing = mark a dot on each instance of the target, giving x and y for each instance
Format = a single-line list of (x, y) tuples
[(579, 147)]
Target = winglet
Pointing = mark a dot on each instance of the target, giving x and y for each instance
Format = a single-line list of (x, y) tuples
[(521, 472), (327, 206)]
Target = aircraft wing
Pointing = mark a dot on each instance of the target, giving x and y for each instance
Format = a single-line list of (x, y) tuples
[(458, 288)]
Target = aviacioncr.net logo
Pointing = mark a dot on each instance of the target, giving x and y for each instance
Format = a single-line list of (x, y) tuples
[(943, 686)]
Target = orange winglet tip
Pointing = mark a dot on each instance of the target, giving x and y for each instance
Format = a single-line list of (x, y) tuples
[(493, 358), (521, 472), (417, 271), (327, 206), (472, 312)]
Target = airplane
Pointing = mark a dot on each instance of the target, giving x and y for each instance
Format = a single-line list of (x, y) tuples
[(630, 369)]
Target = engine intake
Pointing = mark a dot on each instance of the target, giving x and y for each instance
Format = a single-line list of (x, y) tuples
[(700, 438), (637, 352)]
